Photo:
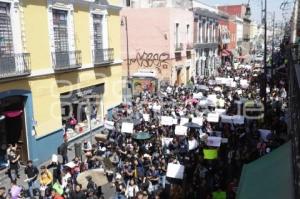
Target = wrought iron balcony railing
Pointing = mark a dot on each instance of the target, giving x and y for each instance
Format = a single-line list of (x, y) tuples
[(103, 56), (179, 47), (189, 46), (13, 65), (66, 60)]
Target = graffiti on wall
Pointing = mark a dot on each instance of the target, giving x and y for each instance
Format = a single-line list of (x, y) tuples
[(151, 60)]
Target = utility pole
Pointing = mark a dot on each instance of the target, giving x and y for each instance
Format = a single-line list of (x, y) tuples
[(273, 46), (264, 81)]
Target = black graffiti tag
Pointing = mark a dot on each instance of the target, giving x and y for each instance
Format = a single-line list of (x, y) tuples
[(148, 60)]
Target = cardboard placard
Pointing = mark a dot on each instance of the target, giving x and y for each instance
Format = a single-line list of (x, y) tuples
[(146, 117), (127, 127), (197, 95), (166, 141), (198, 120), (220, 111), (183, 121), (210, 154), (109, 125), (166, 120), (213, 117), (238, 119), (180, 130), (193, 144), (175, 171), (264, 134), (224, 140), (213, 141)]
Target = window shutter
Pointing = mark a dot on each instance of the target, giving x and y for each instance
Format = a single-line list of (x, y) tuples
[(50, 29)]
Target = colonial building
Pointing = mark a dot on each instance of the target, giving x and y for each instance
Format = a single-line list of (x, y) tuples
[(158, 38), (206, 38), (60, 70)]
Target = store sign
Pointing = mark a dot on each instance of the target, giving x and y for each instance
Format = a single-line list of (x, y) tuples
[(75, 95)]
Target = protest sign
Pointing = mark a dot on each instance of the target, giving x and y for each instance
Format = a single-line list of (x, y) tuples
[(175, 121), (264, 134), (156, 108), (238, 119), (166, 141), (166, 120), (244, 83), (193, 144), (183, 121), (180, 130), (146, 117), (203, 103), (71, 165), (127, 127), (220, 111), (213, 117), (224, 140), (109, 125), (210, 154), (213, 141), (198, 120), (197, 95), (226, 119), (175, 171)]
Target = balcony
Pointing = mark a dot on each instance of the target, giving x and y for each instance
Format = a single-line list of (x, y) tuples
[(189, 46), (178, 47), (66, 60), (14, 65), (103, 56)]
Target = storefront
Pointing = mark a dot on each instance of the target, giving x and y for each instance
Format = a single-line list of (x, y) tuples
[(12, 127), (143, 81), (82, 110)]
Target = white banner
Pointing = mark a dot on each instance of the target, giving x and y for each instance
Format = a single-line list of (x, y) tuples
[(146, 117), (180, 130), (166, 141), (109, 125), (166, 120), (198, 120), (175, 171), (220, 111), (183, 121), (197, 95), (193, 144), (127, 127), (213, 141), (264, 134), (213, 117)]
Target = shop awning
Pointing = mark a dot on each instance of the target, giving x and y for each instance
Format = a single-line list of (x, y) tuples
[(268, 177)]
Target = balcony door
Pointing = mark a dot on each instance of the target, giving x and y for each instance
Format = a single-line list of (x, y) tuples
[(7, 60), (60, 27), (98, 38)]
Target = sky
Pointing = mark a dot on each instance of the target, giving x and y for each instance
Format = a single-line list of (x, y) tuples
[(272, 5)]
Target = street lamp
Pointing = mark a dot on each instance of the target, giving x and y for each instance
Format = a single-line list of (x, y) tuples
[(124, 22)]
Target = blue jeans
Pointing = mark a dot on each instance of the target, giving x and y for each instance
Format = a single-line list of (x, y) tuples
[(31, 186)]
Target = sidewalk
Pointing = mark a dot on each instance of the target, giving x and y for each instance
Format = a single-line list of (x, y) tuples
[(5, 181)]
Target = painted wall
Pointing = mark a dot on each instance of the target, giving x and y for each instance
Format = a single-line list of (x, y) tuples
[(151, 34), (82, 34), (36, 33), (237, 10), (232, 27)]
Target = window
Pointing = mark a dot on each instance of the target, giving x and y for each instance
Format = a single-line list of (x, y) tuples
[(187, 33), (127, 3), (177, 34), (6, 39), (98, 31), (60, 27)]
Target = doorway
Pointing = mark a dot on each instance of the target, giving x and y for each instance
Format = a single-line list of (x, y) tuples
[(178, 77), (12, 127)]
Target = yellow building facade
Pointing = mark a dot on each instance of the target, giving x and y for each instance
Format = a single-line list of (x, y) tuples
[(62, 77)]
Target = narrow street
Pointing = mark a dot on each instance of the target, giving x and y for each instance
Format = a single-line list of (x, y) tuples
[(143, 99)]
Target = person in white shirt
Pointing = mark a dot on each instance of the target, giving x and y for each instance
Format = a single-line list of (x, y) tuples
[(131, 190)]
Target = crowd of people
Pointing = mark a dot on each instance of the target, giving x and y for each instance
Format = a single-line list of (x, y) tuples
[(139, 166)]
